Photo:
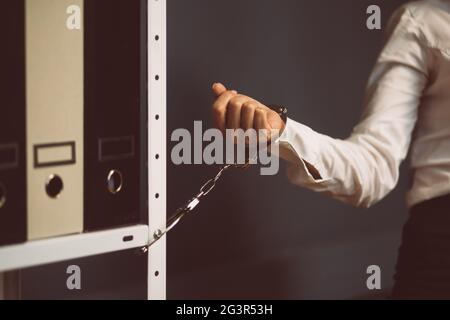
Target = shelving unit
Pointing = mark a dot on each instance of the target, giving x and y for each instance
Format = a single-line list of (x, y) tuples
[(35, 253), (157, 43)]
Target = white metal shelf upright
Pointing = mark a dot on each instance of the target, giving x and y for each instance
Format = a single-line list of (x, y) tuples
[(157, 142), (40, 252)]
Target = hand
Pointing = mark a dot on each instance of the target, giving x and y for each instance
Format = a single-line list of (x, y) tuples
[(237, 111)]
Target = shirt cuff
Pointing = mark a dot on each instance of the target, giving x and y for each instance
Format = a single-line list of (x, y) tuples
[(300, 145)]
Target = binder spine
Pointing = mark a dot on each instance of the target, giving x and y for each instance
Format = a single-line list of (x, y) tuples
[(12, 125), (54, 93), (113, 115)]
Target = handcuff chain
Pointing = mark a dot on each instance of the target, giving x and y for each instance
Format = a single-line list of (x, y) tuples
[(205, 189)]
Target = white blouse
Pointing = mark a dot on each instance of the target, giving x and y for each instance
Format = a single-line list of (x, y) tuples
[(407, 104)]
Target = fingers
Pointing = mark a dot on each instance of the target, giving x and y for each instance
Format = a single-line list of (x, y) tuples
[(218, 89), (260, 119), (236, 111), (261, 123), (219, 109), (233, 113), (248, 114)]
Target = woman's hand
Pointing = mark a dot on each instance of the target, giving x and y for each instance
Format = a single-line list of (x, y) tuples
[(232, 110)]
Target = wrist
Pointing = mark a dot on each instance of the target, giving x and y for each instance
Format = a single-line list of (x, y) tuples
[(282, 113)]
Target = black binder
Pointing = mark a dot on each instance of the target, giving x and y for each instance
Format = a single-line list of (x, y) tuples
[(12, 124), (115, 116)]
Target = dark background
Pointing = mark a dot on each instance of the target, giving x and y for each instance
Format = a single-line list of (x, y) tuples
[(260, 237)]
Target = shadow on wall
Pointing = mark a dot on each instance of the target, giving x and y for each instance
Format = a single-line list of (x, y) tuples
[(260, 237)]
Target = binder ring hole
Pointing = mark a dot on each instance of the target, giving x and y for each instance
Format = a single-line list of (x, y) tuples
[(54, 186), (2, 195), (114, 181)]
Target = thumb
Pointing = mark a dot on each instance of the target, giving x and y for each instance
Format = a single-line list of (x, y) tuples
[(218, 89)]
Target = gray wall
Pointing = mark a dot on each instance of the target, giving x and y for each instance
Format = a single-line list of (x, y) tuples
[(260, 237)]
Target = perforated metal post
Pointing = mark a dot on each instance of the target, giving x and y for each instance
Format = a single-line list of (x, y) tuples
[(157, 144)]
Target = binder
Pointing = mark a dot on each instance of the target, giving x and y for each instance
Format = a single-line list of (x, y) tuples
[(12, 125), (115, 91), (54, 116)]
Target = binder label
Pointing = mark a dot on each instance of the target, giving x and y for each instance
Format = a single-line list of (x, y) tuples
[(54, 154), (9, 156)]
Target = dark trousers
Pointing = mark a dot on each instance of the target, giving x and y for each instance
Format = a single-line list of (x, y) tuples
[(423, 265)]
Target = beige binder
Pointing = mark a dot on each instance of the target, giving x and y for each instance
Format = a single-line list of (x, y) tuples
[(54, 92)]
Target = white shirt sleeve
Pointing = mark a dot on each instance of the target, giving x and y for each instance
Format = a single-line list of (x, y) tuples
[(363, 168)]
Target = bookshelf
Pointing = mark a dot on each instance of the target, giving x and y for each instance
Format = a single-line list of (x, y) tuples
[(41, 252)]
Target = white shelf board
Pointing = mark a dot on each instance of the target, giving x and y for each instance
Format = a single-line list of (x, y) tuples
[(39, 252)]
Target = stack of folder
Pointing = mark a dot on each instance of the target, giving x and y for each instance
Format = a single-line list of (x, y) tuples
[(72, 117)]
